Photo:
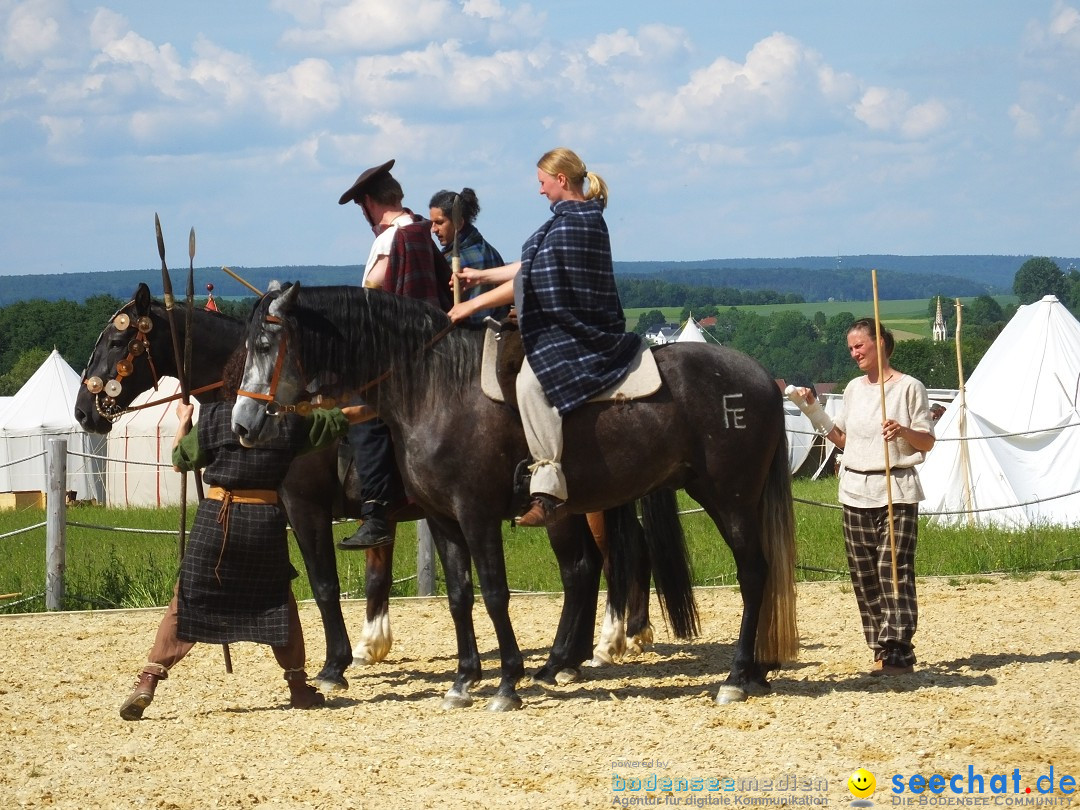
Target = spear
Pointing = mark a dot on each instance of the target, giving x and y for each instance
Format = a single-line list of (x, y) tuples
[(166, 284), (188, 315)]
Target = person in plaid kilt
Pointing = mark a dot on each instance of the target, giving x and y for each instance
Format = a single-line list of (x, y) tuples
[(405, 261), (235, 577), (570, 316), (889, 615)]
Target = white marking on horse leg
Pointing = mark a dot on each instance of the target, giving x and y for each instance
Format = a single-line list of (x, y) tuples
[(375, 642), (637, 644), (612, 643)]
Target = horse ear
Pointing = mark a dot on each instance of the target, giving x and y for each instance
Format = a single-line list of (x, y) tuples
[(142, 299), (284, 302), (275, 285)]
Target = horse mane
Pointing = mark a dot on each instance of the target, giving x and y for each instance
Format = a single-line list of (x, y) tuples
[(353, 335)]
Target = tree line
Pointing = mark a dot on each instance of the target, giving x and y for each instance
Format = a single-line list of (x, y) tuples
[(791, 346)]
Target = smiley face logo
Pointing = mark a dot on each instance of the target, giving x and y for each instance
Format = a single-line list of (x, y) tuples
[(862, 784)]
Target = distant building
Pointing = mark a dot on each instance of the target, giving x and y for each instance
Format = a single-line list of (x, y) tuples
[(940, 333)]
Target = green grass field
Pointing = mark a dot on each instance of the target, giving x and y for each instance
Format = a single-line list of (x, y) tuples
[(907, 318), (107, 568)]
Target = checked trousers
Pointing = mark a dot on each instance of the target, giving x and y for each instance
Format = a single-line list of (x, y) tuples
[(889, 621)]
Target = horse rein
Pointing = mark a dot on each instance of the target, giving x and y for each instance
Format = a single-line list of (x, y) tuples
[(317, 400)]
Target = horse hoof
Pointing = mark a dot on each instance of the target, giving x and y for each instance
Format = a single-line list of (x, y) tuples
[(568, 675), (730, 694), (504, 703), (330, 683), (456, 700), (600, 659)]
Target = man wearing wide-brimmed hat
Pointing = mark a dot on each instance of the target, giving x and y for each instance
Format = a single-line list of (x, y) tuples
[(403, 260)]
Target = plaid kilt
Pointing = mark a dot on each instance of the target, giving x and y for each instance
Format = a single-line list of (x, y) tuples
[(236, 587)]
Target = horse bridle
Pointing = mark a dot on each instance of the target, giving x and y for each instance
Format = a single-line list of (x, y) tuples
[(138, 346), (316, 400), (302, 407)]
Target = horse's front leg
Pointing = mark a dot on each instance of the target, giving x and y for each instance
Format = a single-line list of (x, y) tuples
[(311, 524), (485, 543), (376, 637), (579, 569), (457, 568)]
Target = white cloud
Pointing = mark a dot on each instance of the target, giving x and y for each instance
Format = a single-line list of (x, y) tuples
[(484, 9), (302, 92), (608, 46), (373, 25), (779, 81), (1025, 123), (445, 76), (31, 32)]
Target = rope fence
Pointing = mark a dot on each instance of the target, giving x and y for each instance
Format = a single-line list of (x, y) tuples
[(56, 523)]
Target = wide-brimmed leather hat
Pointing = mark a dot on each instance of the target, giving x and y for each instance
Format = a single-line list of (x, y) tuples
[(357, 189)]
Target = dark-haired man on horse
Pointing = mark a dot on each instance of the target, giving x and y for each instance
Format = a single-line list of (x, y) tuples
[(405, 261)]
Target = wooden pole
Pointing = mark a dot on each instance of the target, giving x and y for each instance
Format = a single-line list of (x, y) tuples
[(251, 287), (888, 471), (965, 460), (56, 525)]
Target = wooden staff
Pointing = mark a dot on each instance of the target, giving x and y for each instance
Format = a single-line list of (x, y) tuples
[(251, 287), (888, 473), (455, 255)]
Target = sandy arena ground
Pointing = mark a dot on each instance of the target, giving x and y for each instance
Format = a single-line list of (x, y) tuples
[(996, 691)]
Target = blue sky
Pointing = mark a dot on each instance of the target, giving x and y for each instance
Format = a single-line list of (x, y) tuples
[(724, 129)]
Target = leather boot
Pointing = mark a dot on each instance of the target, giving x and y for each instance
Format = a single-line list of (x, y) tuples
[(302, 695), (143, 694), (543, 511), (374, 531)]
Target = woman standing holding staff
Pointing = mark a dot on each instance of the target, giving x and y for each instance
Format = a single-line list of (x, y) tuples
[(570, 316), (869, 478)]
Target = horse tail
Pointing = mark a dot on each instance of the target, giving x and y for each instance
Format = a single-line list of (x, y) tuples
[(778, 630), (625, 545), (670, 561)]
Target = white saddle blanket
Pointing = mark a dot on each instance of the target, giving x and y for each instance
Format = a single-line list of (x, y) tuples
[(642, 380)]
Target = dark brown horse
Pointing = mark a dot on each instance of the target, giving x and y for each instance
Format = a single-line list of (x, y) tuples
[(716, 428), (320, 487)]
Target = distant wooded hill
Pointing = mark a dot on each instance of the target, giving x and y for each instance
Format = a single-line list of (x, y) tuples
[(815, 278)]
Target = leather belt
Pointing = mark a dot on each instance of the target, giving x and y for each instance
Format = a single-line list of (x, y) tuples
[(267, 496)]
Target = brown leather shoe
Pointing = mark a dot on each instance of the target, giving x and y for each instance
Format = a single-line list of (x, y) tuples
[(543, 511), (141, 697)]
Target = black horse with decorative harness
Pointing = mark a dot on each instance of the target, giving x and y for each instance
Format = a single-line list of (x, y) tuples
[(134, 351)]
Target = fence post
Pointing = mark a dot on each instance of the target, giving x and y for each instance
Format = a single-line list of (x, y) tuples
[(425, 560), (56, 525)]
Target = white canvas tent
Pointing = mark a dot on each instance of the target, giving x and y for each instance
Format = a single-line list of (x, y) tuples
[(139, 471), (690, 333), (42, 410), (1019, 414), (803, 439)]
